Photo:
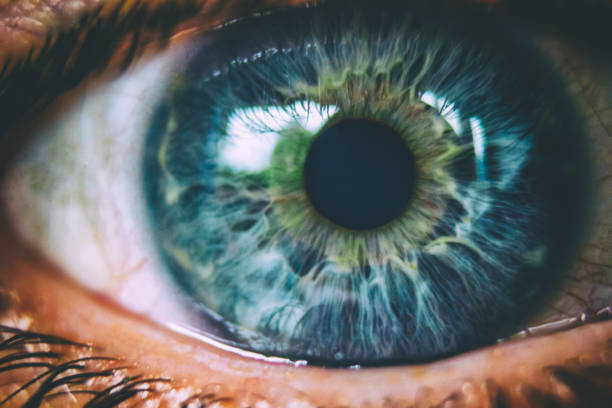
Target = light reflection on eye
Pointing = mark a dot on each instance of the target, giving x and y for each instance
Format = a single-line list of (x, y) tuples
[(253, 133), (84, 191)]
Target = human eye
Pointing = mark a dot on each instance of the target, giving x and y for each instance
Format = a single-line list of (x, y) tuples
[(110, 256)]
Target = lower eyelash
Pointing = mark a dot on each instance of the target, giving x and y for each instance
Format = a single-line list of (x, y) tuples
[(67, 377), (58, 372)]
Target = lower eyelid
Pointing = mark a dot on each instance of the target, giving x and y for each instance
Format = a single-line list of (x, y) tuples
[(85, 317)]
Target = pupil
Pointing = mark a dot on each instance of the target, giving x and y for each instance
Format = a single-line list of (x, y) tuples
[(359, 174)]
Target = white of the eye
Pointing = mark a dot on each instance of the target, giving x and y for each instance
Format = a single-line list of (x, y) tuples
[(76, 195)]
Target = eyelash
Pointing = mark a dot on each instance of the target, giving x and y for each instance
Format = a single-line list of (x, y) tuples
[(25, 82), (50, 353), (74, 376)]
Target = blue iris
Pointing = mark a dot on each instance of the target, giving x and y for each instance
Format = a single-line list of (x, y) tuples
[(470, 236)]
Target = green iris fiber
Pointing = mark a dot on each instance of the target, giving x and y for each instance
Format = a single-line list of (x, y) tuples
[(287, 162)]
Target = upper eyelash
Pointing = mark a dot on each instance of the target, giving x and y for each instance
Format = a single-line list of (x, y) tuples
[(67, 57)]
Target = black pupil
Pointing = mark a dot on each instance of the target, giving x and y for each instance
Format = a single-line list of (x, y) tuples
[(359, 174)]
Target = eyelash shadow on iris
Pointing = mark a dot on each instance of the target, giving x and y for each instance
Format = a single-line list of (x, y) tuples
[(265, 167)]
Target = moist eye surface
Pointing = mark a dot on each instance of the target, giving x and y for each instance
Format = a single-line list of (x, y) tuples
[(365, 187)]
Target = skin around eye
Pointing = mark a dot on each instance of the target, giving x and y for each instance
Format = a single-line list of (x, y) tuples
[(38, 296)]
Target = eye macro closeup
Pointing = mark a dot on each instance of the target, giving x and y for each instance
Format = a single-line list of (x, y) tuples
[(306, 204)]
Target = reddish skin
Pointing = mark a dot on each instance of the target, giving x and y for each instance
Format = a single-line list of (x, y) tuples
[(56, 305)]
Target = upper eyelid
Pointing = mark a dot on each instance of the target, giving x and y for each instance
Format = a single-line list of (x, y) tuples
[(24, 24), (204, 14), (208, 13)]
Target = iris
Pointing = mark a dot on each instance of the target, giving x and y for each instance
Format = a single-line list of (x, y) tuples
[(365, 187)]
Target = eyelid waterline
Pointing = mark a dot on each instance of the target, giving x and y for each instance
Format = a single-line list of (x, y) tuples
[(562, 324), (195, 334), (539, 330)]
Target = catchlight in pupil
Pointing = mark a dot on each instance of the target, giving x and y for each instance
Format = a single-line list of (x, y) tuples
[(359, 174), (366, 188)]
